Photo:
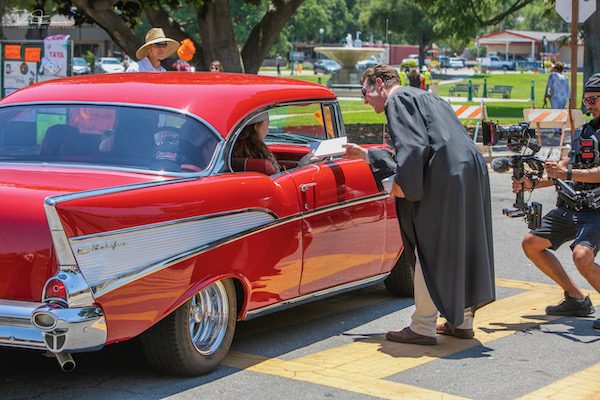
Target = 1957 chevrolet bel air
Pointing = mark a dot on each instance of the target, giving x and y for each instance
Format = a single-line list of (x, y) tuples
[(121, 214)]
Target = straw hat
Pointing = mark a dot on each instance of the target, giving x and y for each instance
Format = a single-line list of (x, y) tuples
[(156, 35)]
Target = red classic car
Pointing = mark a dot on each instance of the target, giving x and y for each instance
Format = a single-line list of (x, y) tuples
[(122, 215)]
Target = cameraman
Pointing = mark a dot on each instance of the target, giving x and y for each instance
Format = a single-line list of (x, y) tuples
[(563, 224)]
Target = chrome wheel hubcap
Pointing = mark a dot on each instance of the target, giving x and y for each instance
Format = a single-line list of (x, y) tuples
[(209, 314)]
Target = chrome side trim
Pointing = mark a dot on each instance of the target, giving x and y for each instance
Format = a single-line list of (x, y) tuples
[(315, 296), (145, 270), (174, 222), (118, 253)]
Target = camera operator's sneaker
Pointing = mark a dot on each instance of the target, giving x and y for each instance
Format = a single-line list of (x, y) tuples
[(572, 307)]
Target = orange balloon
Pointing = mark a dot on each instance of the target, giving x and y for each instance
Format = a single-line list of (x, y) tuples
[(186, 50)]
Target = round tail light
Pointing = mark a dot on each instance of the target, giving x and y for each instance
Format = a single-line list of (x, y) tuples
[(55, 289)]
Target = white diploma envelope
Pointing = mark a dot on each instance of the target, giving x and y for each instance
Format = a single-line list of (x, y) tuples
[(329, 147)]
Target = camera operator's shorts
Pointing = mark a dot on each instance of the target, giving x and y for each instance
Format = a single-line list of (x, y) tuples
[(561, 225)]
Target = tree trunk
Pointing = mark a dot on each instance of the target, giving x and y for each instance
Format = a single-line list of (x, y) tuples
[(265, 33), (422, 50), (218, 38), (101, 11), (591, 50)]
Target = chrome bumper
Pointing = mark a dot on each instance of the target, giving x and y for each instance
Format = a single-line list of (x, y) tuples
[(69, 329)]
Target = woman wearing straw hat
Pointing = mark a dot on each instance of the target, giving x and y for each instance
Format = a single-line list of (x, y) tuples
[(156, 48)]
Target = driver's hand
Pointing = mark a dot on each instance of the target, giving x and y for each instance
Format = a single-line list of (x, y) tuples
[(523, 183)]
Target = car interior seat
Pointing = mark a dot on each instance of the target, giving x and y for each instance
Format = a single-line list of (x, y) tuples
[(55, 137)]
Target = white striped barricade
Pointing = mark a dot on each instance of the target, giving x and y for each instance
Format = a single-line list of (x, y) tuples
[(478, 113), (542, 118)]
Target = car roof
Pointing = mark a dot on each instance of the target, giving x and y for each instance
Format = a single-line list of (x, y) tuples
[(221, 99)]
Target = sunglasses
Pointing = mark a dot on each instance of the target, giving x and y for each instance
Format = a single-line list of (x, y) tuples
[(160, 45), (590, 101)]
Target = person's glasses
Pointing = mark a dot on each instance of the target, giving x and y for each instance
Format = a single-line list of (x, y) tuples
[(161, 45), (215, 68), (590, 101)]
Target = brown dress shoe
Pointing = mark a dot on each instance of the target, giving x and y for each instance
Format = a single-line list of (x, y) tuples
[(406, 335), (449, 330)]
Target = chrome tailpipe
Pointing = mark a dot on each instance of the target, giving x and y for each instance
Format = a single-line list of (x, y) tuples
[(66, 362)]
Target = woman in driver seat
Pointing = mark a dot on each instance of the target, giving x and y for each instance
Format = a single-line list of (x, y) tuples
[(250, 152)]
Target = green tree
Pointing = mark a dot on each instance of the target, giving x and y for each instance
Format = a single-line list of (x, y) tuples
[(208, 23), (405, 19), (467, 17), (537, 16)]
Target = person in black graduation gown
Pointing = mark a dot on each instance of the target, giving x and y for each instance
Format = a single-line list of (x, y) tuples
[(444, 207)]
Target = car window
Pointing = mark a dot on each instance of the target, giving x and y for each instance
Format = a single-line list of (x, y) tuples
[(105, 135), (301, 124)]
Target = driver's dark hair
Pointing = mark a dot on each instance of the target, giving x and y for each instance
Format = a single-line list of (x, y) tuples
[(388, 74), (250, 145)]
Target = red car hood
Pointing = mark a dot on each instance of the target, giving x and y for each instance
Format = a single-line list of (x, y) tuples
[(26, 257)]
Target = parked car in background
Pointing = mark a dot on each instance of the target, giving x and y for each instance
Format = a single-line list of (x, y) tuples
[(368, 63), (495, 63), (125, 214), (79, 66), (108, 65), (444, 61), (529, 65), (456, 62), (326, 66)]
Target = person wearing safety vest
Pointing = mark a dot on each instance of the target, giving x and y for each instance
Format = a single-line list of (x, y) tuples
[(403, 77), (427, 75)]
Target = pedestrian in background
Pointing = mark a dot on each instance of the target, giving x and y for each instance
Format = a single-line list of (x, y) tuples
[(557, 88), (426, 77), (437, 160), (156, 48), (403, 77), (278, 64), (415, 79), (216, 66)]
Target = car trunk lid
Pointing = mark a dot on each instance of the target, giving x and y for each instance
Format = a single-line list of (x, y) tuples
[(26, 256)]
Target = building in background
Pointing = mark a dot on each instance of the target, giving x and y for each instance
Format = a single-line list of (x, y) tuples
[(512, 44), (19, 26)]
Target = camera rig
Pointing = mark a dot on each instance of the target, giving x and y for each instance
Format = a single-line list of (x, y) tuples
[(519, 137)]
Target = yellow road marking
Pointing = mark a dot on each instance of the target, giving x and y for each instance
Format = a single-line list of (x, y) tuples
[(515, 284), (333, 378), (582, 385), (362, 366), (379, 358)]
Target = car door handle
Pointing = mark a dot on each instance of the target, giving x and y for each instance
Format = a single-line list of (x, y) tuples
[(306, 186)]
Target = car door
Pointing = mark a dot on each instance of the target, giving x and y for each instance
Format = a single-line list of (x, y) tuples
[(343, 211), (343, 224)]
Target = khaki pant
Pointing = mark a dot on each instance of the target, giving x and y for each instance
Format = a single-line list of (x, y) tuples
[(424, 318)]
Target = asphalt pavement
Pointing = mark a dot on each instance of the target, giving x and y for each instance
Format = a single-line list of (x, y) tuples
[(335, 348)]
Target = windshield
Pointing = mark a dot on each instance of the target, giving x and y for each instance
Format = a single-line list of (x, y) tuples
[(113, 61), (105, 135), (79, 61)]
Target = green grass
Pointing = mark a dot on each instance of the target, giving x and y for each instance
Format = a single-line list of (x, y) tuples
[(521, 84), (355, 112)]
